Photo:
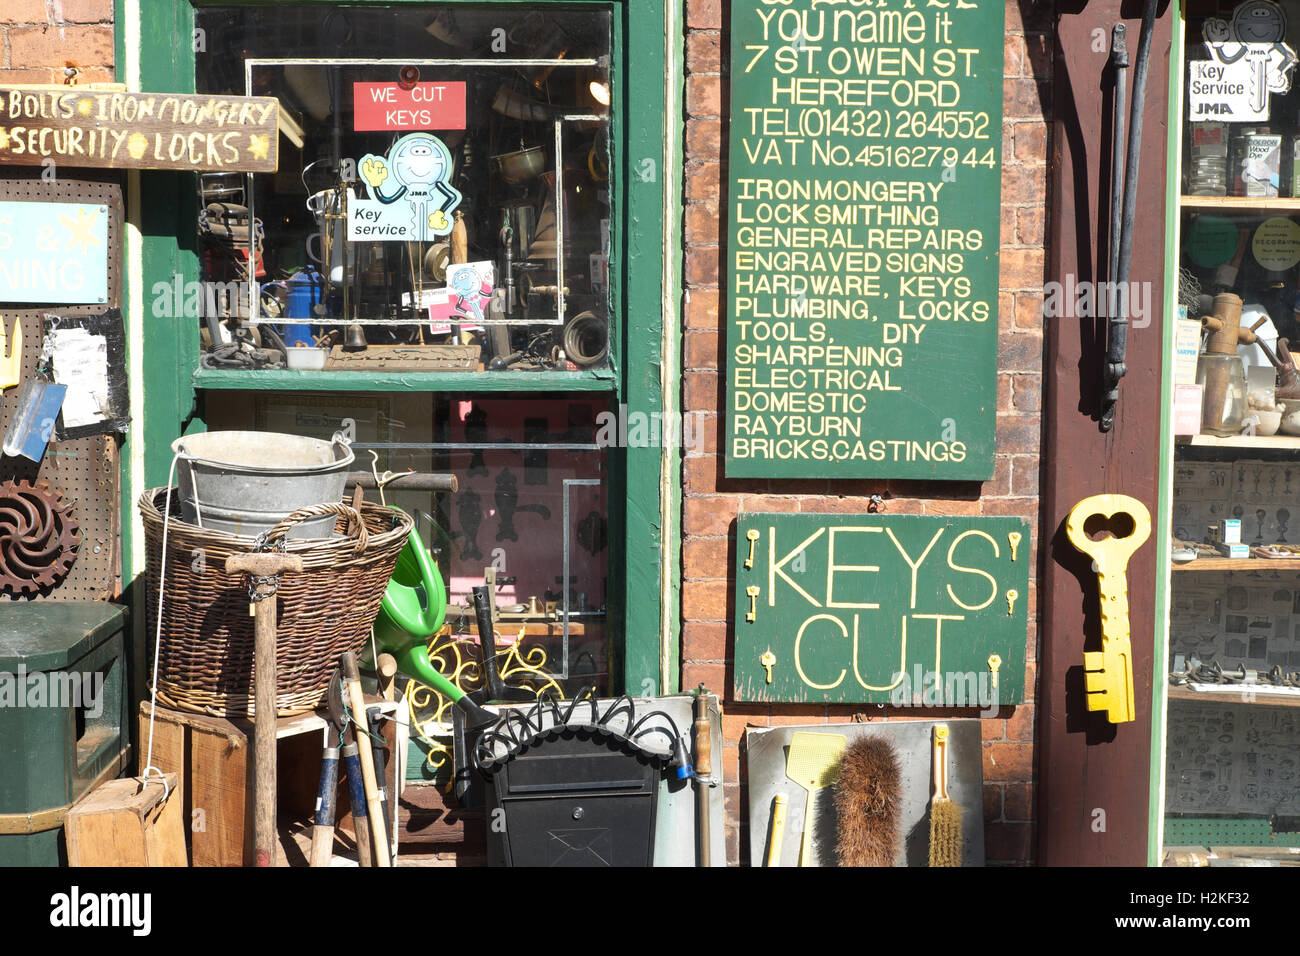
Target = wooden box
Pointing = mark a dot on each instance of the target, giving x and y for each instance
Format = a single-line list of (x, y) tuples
[(213, 759), (125, 824)]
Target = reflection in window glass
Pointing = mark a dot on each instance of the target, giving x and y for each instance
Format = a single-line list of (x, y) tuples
[(443, 188), (531, 507)]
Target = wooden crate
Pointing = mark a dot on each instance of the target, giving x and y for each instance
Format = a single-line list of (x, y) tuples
[(124, 824), (212, 756), (213, 759)]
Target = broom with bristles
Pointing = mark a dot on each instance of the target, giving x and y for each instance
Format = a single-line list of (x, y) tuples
[(868, 795), (945, 816)]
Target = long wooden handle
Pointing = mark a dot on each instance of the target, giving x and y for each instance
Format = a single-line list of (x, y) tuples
[(386, 666), (264, 773), (778, 830), (703, 771), (357, 704), (810, 814)]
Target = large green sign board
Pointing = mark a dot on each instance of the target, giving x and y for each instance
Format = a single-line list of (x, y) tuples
[(908, 610), (863, 231)]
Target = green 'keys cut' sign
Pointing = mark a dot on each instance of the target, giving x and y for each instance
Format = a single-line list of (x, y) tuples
[(862, 255), (909, 610)]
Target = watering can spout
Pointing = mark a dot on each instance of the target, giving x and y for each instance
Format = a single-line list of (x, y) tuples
[(414, 662)]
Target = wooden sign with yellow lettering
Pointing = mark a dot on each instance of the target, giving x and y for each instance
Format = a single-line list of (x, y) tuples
[(115, 130), (862, 252), (905, 610)]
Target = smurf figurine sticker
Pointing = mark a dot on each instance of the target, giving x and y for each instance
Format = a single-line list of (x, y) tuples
[(1249, 60), (409, 194)]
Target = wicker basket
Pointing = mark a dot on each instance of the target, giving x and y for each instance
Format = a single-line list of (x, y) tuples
[(205, 656)]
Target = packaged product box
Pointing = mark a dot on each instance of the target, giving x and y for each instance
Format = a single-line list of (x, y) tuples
[(1187, 409)]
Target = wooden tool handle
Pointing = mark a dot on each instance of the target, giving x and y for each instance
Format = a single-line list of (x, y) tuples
[(263, 562), (264, 713), (322, 834), (357, 704), (386, 666), (357, 794), (809, 817), (703, 736), (940, 761), (778, 830)]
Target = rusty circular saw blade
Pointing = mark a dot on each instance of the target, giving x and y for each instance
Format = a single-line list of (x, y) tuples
[(38, 538)]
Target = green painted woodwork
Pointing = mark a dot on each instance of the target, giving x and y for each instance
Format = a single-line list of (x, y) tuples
[(1164, 499), (60, 728), (863, 234), (869, 608), (647, 96)]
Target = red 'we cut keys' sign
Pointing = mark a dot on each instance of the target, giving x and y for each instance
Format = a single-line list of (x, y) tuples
[(387, 106)]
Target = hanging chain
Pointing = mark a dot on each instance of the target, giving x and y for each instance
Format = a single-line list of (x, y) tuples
[(262, 586)]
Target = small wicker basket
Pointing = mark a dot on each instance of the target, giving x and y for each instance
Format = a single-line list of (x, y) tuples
[(205, 656)]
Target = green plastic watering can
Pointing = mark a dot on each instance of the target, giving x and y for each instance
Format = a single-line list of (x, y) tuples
[(414, 606)]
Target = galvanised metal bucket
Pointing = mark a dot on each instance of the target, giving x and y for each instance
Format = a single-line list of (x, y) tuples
[(244, 483)]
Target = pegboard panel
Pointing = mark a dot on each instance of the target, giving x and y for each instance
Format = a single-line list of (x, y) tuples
[(85, 470), (1224, 831)]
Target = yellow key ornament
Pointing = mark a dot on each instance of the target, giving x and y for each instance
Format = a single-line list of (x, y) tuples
[(1108, 673)]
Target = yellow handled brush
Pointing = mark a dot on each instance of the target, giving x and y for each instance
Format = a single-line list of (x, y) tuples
[(945, 816)]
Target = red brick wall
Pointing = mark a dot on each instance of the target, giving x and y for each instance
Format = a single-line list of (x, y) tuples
[(711, 501), (39, 39)]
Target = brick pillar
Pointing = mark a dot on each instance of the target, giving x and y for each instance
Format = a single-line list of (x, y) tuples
[(712, 501)]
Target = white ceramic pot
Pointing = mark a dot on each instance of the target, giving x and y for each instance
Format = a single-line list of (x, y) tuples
[(1269, 422)]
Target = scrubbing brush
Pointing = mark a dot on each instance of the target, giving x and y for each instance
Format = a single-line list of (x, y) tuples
[(945, 816), (868, 795)]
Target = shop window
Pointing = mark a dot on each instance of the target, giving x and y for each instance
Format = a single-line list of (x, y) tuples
[(479, 137), (576, 288), (1234, 627), (443, 186)]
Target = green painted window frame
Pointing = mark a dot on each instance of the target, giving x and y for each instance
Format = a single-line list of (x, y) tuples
[(644, 372), (1165, 497)]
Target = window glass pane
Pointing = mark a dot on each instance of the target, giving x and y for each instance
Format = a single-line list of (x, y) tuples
[(1233, 496), (443, 186), (531, 505)]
